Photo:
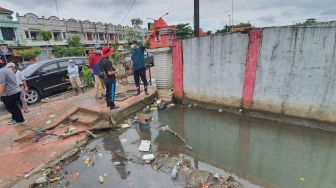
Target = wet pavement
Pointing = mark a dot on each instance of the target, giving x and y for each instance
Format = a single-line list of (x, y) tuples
[(256, 152)]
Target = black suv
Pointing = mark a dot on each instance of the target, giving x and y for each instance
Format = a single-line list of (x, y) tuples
[(45, 78)]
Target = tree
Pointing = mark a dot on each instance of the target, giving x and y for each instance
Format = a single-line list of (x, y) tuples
[(46, 35), (28, 54), (136, 22), (75, 48), (225, 29), (242, 25), (310, 21), (132, 34), (74, 42), (183, 31)]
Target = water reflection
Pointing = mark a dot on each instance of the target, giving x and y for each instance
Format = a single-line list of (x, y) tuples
[(264, 152)]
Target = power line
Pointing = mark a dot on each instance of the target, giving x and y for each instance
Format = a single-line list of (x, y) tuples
[(128, 11), (57, 9)]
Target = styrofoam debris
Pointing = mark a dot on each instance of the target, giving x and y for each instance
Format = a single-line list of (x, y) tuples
[(148, 157), (144, 145)]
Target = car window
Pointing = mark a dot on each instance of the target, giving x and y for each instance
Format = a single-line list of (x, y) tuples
[(79, 61), (50, 68), (63, 64)]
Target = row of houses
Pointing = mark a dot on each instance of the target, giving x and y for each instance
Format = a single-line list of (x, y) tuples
[(25, 32)]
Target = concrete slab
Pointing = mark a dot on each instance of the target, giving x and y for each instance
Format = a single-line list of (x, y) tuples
[(23, 156)]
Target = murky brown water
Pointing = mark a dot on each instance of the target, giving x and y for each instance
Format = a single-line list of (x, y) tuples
[(258, 153)]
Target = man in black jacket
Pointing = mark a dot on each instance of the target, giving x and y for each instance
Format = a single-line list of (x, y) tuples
[(109, 77)]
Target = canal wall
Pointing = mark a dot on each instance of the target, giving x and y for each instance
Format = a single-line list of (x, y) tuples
[(289, 70)]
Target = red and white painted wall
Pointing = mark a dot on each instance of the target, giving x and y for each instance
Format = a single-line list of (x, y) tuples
[(289, 70)]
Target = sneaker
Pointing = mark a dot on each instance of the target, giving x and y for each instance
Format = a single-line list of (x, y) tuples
[(12, 122), (146, 92), (21, 123), (114, 107), (138, 92)]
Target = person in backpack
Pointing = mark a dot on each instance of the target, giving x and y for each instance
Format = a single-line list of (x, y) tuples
[(109, 75), (94, 65)]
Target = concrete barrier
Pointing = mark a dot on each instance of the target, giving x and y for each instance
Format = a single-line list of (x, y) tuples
[(213, 68), (294, 70)]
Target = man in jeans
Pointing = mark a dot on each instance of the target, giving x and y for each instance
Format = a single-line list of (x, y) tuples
[(10, 94), (138, 65)]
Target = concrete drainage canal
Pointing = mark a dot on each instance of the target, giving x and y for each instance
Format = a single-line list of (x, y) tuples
[(191, 146)]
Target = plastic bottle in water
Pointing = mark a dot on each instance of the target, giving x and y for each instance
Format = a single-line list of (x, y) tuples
[(175, 170)]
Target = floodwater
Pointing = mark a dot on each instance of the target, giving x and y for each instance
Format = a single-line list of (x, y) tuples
[(256, 152)]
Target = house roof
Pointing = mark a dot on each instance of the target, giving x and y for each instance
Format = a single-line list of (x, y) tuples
[(3, 10)]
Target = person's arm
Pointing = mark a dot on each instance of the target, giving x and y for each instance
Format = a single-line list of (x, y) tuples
[(90, 61), (110, 70), (2, 82), (146, 41), (25, 85), (2, 88)]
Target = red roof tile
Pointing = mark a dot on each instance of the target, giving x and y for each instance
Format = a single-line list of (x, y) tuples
[(3, 10)]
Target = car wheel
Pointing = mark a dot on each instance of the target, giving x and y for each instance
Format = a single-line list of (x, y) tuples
[(33, 96)]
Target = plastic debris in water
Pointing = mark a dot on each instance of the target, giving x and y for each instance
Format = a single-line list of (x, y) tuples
[(148, 157), (144, 145), (302, 179), (175, 170), (49, 121), (124, 126), (220, 110), (116, 163), (101, 179)]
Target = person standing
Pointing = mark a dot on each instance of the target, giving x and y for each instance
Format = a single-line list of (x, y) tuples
[(10, 94), (138, 65), (109, 77), (94, 59), (74, 77), (21, 80)]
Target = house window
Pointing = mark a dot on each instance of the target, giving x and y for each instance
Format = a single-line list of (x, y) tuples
[(121, 37), (27, 34), (57, 36), (64, 35), (89, 36), (35, 35), (8, 33), (101, 36)]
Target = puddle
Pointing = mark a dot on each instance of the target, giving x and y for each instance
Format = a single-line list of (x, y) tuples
[(257, 153)]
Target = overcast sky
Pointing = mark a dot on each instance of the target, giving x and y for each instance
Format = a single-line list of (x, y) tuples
[(213, 13)]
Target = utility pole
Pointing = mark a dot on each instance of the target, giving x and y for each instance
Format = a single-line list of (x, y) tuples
[(196, 17), (232, 13)]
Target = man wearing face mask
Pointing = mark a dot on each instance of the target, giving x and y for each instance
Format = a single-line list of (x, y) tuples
[(138, 65), (94, 59), (74, 77), (10, 94)]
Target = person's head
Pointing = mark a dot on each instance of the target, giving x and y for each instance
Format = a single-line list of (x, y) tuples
[(97, 49), (11, 66), (71, 63), (107, 51), (135, 43)]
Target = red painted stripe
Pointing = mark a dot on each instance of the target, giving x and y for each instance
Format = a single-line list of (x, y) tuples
[(251, 68), (177, 69)]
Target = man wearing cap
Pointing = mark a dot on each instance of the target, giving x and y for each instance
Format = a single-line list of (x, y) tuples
[(10, 94), (21, 80), (109, 77), (94, 59), (138, 65)]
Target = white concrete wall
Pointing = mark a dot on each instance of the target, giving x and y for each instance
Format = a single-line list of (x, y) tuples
[(213, 68), (296, 72)]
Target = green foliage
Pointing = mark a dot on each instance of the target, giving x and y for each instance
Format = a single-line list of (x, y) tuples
[(115, 58), (75, 48), (310, 21), (46, 35), (136, 22), (224, 30), (59, 51), (74, 42), (183, 31), (242, 25), (132, 34), (28, 54), (87, 76)]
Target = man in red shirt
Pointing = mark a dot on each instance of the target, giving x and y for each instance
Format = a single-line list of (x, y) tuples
[(94, 59)]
